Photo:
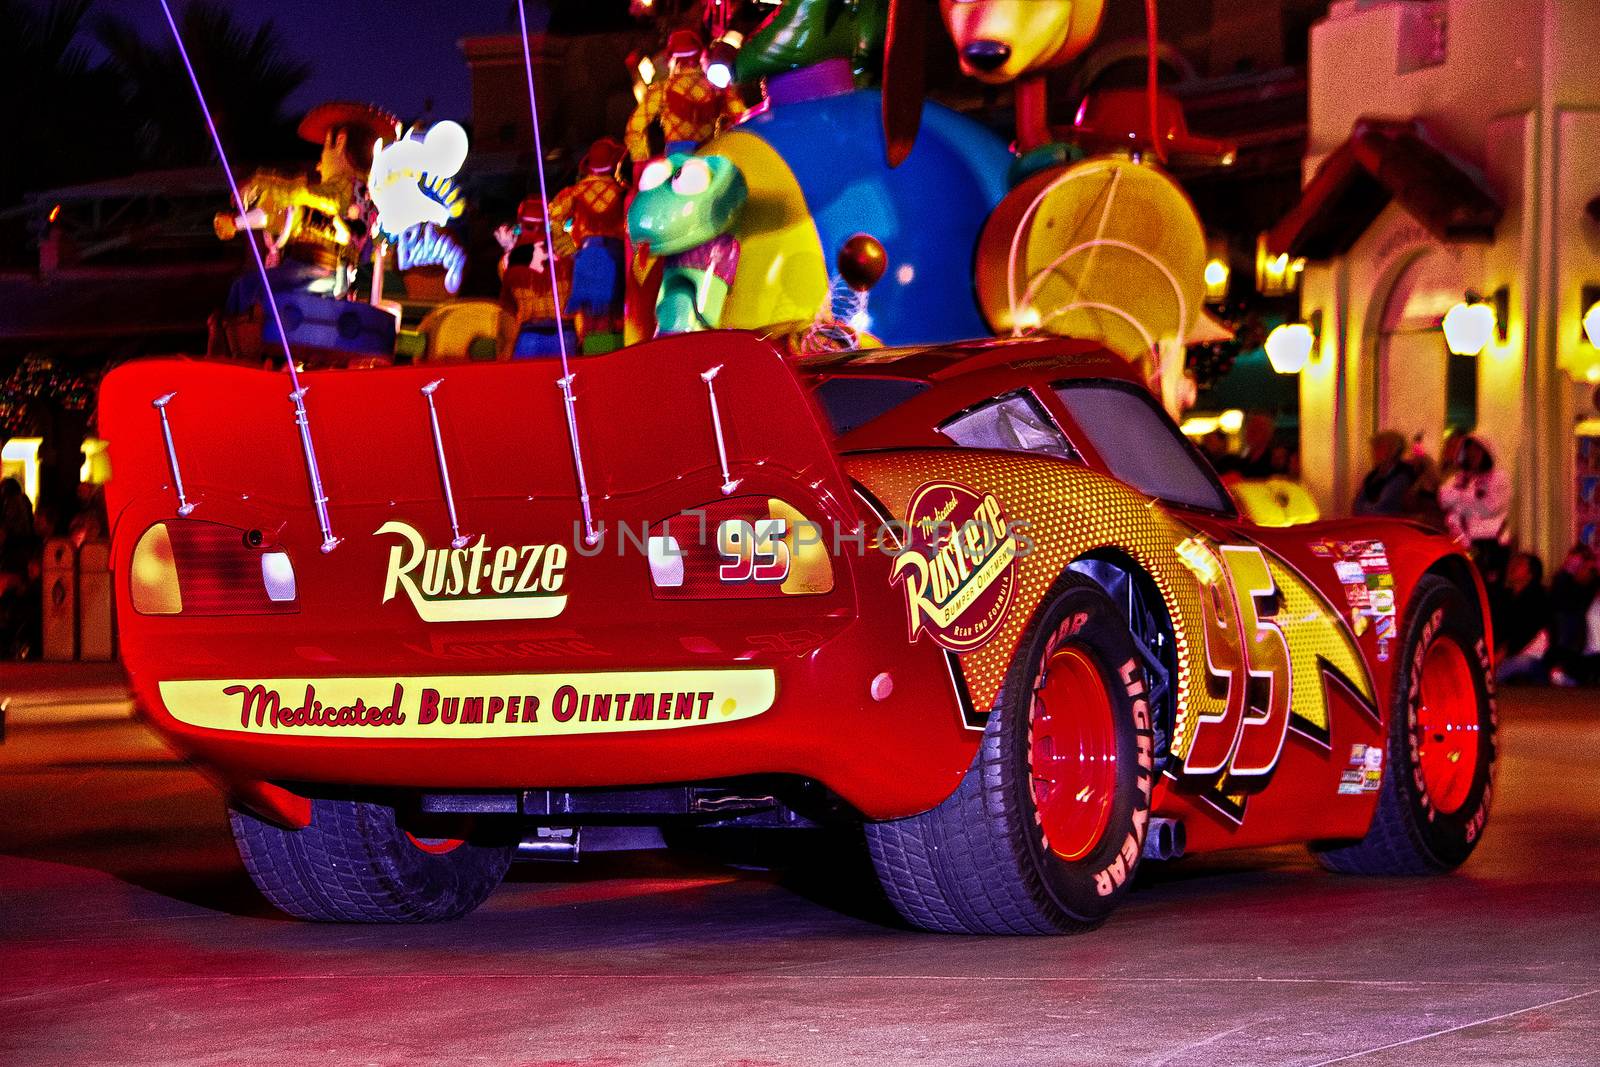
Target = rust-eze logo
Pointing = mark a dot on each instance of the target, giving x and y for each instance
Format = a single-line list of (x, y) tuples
[(478, 583), (958, 566)]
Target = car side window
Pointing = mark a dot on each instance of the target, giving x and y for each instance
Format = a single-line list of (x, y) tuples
[(1139, 444), (1015, 422)]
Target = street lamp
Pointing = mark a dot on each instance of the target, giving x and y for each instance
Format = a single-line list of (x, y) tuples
[(1469, 324), (1468, 327), (1216, 277), (1289, 347)]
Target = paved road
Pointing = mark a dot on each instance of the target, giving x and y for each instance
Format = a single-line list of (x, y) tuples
[(129, 934)]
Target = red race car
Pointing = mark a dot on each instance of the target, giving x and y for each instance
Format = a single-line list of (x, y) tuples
[(983, 600)]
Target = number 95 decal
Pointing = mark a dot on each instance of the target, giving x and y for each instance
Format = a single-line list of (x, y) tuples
[(753, 552), (1244, 644)]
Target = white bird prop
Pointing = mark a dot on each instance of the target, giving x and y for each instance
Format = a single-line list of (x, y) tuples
[(410, 182)]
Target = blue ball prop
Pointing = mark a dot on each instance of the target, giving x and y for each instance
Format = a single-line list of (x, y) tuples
[(927, 212)]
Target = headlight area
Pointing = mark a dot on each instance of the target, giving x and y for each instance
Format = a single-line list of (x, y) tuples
[(190, 567), (742, 548)]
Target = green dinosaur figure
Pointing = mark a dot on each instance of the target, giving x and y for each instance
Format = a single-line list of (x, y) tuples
[(805, 32), (685, 211)]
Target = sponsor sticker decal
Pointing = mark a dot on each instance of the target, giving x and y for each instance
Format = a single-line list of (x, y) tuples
[(466, 706), (1365, 773), (1368, 581), (476, 583), (958, 567)]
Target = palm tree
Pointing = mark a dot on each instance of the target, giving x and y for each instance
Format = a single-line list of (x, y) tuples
[(247, 75), (64, 123)]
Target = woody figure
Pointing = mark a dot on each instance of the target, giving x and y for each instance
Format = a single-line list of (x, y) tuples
[(593, 213), (314, 227), (525, 270), (684, 106)]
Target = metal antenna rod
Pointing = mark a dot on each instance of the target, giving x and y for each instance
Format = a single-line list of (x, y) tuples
[(590, 536), (160, 404), (458, 539), (297, 392), (729, 482)]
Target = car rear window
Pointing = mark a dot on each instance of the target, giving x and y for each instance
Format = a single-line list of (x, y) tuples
[(852, 402), (1140, 445)]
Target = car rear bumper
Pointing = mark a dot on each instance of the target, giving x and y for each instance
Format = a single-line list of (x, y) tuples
[(812, 717)]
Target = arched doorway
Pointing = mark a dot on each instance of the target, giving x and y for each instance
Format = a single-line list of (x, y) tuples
[(1419, 388)]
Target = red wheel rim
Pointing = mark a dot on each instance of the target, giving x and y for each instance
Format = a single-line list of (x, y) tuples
[(1072, 753), (1447, 725), (435, 846)]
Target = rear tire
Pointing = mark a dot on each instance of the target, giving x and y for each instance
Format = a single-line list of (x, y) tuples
[(354, 863), (1045, 831), (1434, 801)]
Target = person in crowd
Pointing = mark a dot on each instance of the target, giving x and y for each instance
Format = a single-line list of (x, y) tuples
[(1284, 462), (1422, 502), (1476, 502), (89, 524), (16, 510), (1572, 593), (1256, 459), (21, 563), (1215, 447), (1385, 489), (1521, 614)]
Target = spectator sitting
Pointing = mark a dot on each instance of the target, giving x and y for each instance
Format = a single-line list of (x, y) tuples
[(1476, 503), (1385, 488), (1521, 616), (1572, 592)]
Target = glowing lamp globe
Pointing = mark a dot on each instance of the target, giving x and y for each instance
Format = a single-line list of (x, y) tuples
[(1216, 276), (1289, 347), (1231, 421), (1468, 327), (1591, 324)]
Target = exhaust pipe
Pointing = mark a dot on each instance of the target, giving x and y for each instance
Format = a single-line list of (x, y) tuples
[(550, 844), (1165, 840)]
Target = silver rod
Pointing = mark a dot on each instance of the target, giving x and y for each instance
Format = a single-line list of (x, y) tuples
[(160, 404), (457, 538), (319, 498), (565, 382), (589, 534), (729, 483)]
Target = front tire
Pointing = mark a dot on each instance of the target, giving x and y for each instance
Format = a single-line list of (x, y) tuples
[(354, 863), (1045, 831), (1434, 801)]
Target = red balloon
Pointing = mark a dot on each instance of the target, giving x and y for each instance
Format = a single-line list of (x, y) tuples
[(862, 261)]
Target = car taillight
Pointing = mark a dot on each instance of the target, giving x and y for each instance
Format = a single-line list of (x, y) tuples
[(189, 567), (741, 548)]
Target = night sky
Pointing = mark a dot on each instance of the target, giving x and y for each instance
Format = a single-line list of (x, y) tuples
[(394, 53)]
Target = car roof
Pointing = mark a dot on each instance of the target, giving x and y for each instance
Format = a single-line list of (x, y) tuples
[(951, 378), (1025, 357)]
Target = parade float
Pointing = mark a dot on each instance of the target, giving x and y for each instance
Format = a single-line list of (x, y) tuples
[(798, 185)]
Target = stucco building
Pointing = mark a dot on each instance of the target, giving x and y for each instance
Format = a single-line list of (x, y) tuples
[(1453, 147)]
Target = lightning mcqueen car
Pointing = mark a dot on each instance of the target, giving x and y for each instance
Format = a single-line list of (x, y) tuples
[(983, 600)]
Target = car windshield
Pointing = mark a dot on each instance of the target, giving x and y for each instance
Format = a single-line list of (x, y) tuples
[(1140, 445), (1015, 422)]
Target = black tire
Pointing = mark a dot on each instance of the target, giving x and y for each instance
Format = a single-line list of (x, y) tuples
[(980, 862), (1410, 833), (355, 864)]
